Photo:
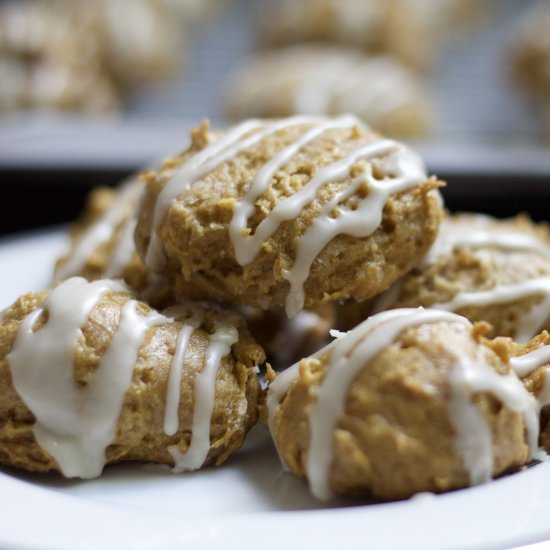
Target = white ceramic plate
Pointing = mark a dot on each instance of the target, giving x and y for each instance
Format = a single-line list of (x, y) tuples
[(249, 501)]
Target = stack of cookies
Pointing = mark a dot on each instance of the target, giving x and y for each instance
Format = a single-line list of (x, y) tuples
[(273, 231)]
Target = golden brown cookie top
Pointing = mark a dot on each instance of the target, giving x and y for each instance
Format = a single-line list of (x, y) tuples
[(276, 193)]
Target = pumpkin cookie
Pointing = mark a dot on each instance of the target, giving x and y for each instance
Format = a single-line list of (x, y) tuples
[(91, 376), (411, 400), (296, 212), (331, 80)]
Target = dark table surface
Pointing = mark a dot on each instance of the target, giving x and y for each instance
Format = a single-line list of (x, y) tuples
[(32, 198)]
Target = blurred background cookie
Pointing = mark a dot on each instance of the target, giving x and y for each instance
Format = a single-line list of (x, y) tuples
[(332, 80), (531, 56), (407, 29), (46, 62), (83, 56)]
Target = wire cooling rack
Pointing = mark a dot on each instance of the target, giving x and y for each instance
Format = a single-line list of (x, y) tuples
[(478, 108)]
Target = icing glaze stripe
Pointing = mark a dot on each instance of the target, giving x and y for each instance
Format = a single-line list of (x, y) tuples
[(348, 357), (502, 294), (75, 424), (204, 394), (193, 318), (402, 171), (468, 233), (527, 363), (280, 386), (473, 440), (173, 392)]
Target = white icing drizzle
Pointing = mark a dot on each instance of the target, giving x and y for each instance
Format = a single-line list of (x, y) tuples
[(205, 386), (474, 438), (247, 246), (473, 232), (123, 251), (173, 390), (401, 168), (101, 231), (193, 319), (527, 363), (76, 424), (532, 321), (277, 390), (350, 353), (223, 149), (524, 365), (280, 386)]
